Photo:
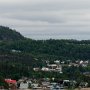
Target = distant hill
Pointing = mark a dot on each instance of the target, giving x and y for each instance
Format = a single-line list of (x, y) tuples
[(19, 55), (8, 34)]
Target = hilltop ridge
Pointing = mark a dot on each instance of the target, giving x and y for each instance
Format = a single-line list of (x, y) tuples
[(8, 34)]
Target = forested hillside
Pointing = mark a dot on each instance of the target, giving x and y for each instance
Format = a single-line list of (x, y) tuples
[(52, 49), (8, 34), (18, 55)]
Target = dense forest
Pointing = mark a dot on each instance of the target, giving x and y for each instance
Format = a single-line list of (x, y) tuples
[(7, 34), (18, 55), (50, 49)]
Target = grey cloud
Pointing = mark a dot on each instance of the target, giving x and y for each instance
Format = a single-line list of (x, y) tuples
[(39, 5), (50, 17), (64, 17)]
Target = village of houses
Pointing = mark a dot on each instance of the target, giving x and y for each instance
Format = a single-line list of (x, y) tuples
[(44, 84)]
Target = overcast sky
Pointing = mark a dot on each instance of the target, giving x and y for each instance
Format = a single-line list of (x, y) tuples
[(44, 19)]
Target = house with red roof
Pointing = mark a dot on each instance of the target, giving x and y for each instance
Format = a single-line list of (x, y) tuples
[(12, 83)]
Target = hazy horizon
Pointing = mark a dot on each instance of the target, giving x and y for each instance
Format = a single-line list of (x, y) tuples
[(48, 35)]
